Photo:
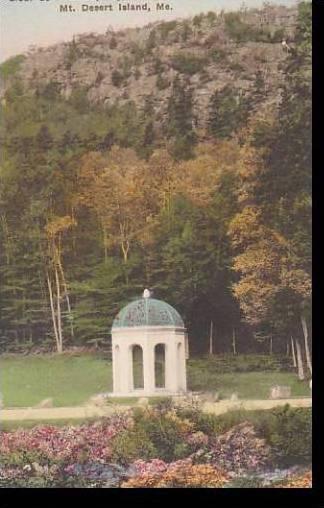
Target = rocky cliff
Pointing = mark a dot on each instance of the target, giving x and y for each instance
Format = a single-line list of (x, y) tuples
[(208, 52)]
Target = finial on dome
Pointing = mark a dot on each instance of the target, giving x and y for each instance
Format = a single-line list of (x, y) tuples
[(146, 293)]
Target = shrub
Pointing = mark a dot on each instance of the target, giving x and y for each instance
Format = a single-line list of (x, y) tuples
[(161, 82), (11, 66), (211, 17), (166, 431), (239, 449), (217, 54), (113, 43), (237, 29), (242, 363), (289, 433), (180, 474), (131, 445), (187, 63), (166, 27), (117, 78)]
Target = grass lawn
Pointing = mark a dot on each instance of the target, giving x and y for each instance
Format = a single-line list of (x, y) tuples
[(72, 380)]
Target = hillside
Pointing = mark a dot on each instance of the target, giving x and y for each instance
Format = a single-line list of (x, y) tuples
[(175, 157), (207, 52)]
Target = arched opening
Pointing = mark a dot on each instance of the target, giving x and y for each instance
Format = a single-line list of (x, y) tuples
[(138, 370), (159, 365)]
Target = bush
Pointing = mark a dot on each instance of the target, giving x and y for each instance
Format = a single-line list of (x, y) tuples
[(187, 63), (180, 474), (131, 445), (242, 363), (243, 32), (161, 82), (117, 78), (217, 54), (11, 66), (166, 431), (166, 27), (289, 433), (113, 43)]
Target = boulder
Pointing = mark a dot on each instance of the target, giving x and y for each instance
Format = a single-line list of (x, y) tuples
[(45, 403), (280, 392)]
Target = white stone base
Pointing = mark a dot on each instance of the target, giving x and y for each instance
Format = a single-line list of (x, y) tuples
[(142, 393)]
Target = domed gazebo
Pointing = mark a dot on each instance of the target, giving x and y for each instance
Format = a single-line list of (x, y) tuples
[(149, 344)]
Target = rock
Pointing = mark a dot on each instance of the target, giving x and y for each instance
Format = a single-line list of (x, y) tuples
[(234, 397), (45, 403), (143, 401), (280, 392)]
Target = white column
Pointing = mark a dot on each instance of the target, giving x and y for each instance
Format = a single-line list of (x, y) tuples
[(125, 374), (148, 361), (182, 378), (116, 367), (171, 366)]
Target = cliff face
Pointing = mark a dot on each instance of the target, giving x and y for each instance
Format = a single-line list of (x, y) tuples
[(207, 52)]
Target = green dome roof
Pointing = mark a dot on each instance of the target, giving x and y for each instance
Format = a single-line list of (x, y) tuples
[(148, 312)]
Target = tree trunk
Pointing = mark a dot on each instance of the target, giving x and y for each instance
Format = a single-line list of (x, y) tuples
[(67, 298), (50, 292), (305, 332), (293, 352), (234, 342), (270, 348), (59, 318), (211, 338), (300, 365), (105, 243)]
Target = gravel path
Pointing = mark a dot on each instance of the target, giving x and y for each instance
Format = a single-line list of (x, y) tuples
[(220, 407)]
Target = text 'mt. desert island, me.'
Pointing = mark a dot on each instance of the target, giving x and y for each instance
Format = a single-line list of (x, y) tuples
[(111, 7)]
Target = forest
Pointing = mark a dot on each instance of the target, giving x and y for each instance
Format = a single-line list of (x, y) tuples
[(95, 206)]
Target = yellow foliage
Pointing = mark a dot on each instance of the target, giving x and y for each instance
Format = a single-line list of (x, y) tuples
[(181, 475)]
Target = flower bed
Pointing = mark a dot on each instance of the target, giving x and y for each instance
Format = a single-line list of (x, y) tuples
[(152, 447)]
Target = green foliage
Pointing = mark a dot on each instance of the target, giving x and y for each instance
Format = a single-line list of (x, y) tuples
[(189, 257), (180, 121), (165, 28), (187, 63), (11, 66), (155, 434), (217, 55), (211, 16), (117, 78), (244, 32), (161, 82), (197, 20), (130, 445), (289, 432), (244, 363), (72, 54), (228, 111), (113, 43)]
